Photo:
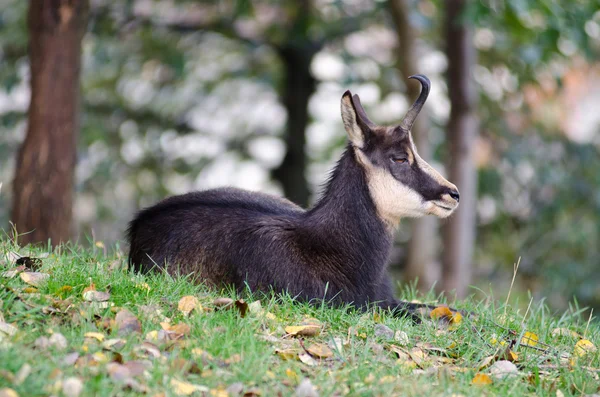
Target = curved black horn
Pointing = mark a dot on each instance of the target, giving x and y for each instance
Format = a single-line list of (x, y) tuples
[(414, 110)]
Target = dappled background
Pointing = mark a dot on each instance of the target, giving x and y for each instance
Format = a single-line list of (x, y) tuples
[(184, 95)]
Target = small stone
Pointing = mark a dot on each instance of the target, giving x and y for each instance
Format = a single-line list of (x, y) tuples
[(306, 389), (72, 387), (383, 331)]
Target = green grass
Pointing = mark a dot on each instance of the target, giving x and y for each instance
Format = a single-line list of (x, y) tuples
[(238, 350)]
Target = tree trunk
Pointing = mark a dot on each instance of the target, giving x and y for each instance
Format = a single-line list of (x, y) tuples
[(297, 53), (43, 185), (459, 232), (421, 260)]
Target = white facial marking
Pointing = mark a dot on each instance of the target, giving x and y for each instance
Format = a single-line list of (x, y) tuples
[(349, 117), (394, 200)]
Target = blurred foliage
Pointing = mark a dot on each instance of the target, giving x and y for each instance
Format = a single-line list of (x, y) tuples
[(181, 95)]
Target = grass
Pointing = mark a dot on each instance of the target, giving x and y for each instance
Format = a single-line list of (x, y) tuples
[(225, 353)]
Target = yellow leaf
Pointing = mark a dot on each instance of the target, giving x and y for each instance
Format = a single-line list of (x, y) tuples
[(219, 393), (287, 354), (95, 335), (30, 290), (8, 392), (451, 345), (185, 389), (481, 379), (187, 304), (64, 290), (303, 330), (34, 278), (292, 375), (529, 339), (441, 312), (584, 347), (320, 350), (270, 316), (99, 244), (387, 379)]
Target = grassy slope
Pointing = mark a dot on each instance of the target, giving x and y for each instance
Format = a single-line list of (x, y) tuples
[(363, 367)]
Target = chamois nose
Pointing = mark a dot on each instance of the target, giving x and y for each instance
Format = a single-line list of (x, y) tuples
[(455, 195)]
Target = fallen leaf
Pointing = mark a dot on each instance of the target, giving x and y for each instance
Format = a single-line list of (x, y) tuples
[(336, 344), (114, 344), (320, 350), (96, 296), (8, 392), (72, 387), (255, 307), (584, 347), (556, 332), (441, 312), (529, 339), (487, 361), (94, 335), (287, 354), (34, 278), (242, 307), (185, 389), (307, 359), (8, 329), (503, 369), (223, 303), (127, 322), (58, 341), (22, 374), (303, 330), (187, 304), (13, 272), (306, 389), (292, 375), (481, 379)]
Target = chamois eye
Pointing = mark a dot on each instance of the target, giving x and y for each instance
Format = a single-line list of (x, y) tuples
[(399, 160)]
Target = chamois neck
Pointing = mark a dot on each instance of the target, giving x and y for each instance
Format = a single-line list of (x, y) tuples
[(346, 207)]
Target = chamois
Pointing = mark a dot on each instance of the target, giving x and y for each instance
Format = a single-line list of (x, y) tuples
[(337, 250)]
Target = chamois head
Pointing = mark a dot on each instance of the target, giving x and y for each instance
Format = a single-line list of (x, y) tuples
[(401, 183)]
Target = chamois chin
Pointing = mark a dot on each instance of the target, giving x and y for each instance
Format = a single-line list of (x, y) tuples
[(337, 250)]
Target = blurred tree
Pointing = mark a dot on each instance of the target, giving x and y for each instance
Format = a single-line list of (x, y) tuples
[(459, 232), (43, 185), (421, 258)]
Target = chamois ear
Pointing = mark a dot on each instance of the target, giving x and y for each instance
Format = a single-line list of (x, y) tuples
[(356, 122)]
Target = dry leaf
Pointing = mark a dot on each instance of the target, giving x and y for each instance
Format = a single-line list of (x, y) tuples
[(94, 335), (58, 341), (72, 387), (127, 323), (287, 354), (481, 379), (307, 359), (584, 347), (8, 392), (22, 374), (529, 339), (303, 330), (187, 304), (242, 307), (223, 303), (292, 375), (185, 389), (320, 350), (564, 332), (8, 329), (255, 307), (441, 312), (34, 278), (487, 361)]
